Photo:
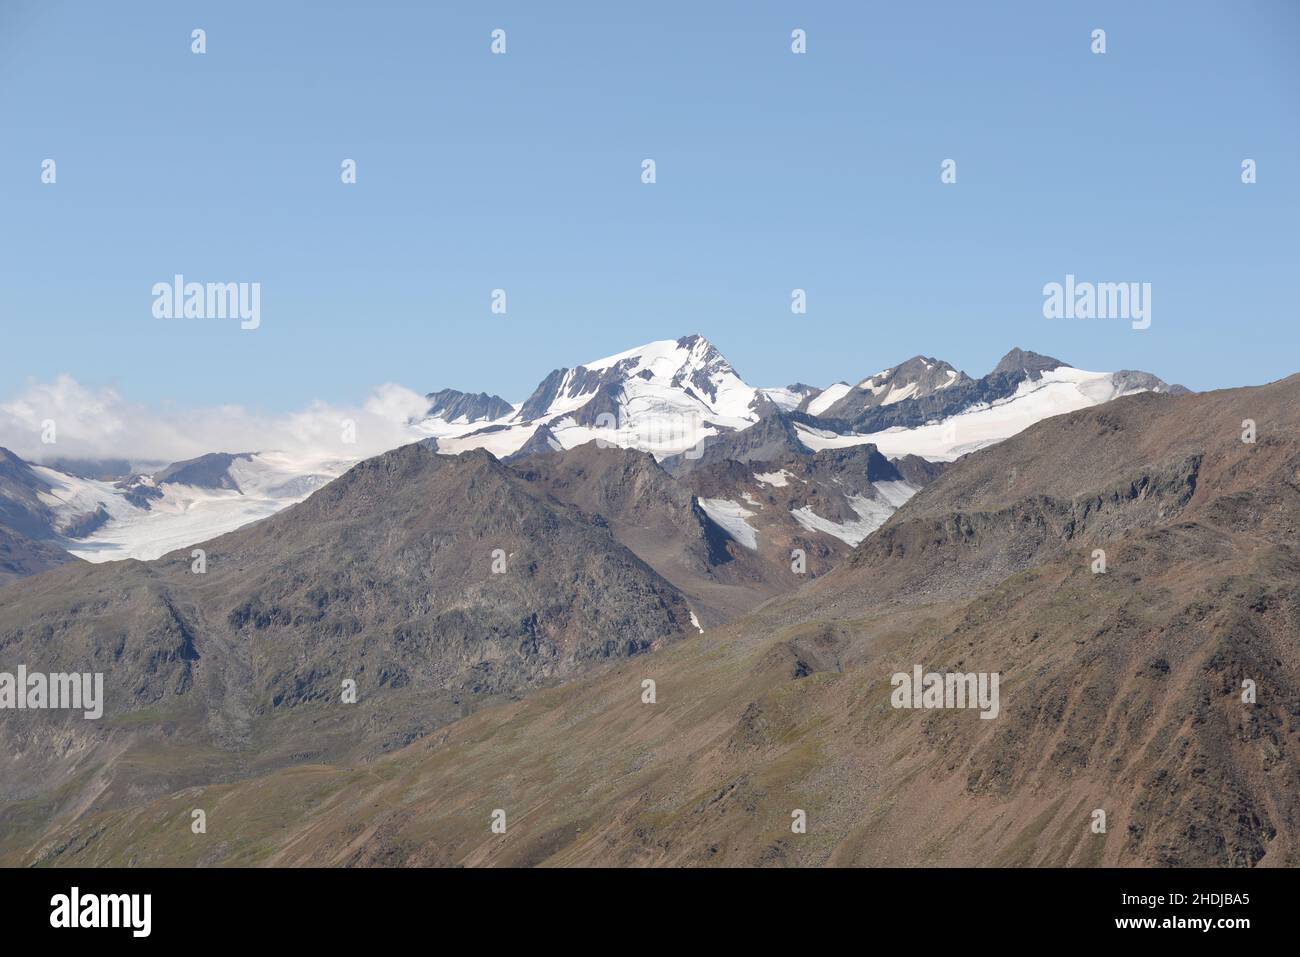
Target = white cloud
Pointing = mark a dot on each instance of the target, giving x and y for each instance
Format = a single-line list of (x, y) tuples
[(101, 423)]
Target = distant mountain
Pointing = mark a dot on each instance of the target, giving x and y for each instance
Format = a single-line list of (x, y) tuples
[(725, 531), (660, 521), (916, 378), (21, 556), (926, 408), (821, 503), (211, 471), (22, 507), (146, 515), (30, 503), (462, 407)]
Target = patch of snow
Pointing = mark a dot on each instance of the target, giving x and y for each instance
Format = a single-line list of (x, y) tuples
[(784, 398), (895, 493), (780, 478), (500, 443), (872, 513), (730, 516), (898, 395), (828, 398)]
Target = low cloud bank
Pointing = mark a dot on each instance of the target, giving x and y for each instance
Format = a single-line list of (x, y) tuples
[(100, 423)]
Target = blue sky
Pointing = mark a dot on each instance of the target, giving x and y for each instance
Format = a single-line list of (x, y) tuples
[(522, 172)]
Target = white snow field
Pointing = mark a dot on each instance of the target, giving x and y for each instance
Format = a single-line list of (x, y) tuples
[(872, 513), (1061, 390), (731, 517), (185, 514), (828, 398)]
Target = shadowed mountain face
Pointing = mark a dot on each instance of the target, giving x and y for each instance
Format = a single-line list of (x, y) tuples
[(21, 508), (1162, 691), (454, 406), (20, 556)]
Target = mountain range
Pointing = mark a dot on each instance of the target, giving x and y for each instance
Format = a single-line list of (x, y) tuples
[(657, 655), (680, 400)]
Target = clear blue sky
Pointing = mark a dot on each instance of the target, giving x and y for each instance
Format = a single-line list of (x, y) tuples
[(522, 171)]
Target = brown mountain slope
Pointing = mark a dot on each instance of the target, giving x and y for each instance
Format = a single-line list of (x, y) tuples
[(385, 578), (1121, 692), (659, 520)]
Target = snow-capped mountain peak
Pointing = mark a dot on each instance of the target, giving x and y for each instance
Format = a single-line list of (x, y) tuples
[(691, 366), (918, 377)]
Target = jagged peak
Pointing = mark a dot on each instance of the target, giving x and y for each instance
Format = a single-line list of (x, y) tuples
[(1021, 360)]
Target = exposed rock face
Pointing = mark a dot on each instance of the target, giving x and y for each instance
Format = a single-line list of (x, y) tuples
[(210, 471), (919, 471), (23, 509), (820, 504), (772, 438), (1019, 362), (140, 491), (547, 391), (542, 442), (918, 377), (454, 406), (1129, 380)]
